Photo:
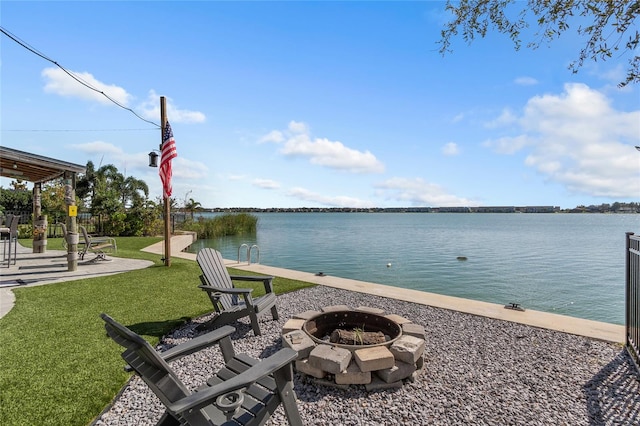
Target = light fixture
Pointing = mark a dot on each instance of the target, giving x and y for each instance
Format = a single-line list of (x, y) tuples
[(153, 159)]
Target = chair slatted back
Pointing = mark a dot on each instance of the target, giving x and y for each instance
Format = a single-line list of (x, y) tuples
[(145, 361), (215, 274), (13, 227)]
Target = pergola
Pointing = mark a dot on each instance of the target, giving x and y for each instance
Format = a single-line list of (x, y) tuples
[(38, 169)]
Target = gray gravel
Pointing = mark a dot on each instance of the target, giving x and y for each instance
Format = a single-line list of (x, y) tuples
[(478, 371)]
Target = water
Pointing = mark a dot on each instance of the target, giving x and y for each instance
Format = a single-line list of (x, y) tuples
[(570, 264)]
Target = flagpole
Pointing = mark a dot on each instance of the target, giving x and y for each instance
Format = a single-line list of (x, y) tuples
[(167, 206)]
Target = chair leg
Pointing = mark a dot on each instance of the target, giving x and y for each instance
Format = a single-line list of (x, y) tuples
[(254, 323), (9, 258), (15, 251), (274, 312), (168, 420), (284, 383), (6, 258)]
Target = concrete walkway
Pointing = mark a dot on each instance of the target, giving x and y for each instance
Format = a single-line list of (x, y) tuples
[(33, 269), (594, 329)]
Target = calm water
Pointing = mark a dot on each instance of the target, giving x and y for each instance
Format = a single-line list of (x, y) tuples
[(571, 264)]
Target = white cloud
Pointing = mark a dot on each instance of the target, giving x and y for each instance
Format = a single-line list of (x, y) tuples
[(417, 192), (60, 83), (450, 148), (151, 110), (266, 183), (102, 153), (275, 136), (508, 145), (579, 140), (506, 117), (458, 118), (99, 147), (336, 201), (297, 142), (184, 168), (236, 177), (298, 127), (526, 81)]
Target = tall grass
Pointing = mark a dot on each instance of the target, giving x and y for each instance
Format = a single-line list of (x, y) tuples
[(224, 225)]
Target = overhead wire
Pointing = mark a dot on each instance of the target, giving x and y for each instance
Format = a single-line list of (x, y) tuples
[(71, 74), (77, 130)]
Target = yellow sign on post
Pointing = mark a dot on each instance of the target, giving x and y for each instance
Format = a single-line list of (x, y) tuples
[(73, 211)]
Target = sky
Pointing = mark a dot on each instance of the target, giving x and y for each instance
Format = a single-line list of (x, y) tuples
[(318, 104)]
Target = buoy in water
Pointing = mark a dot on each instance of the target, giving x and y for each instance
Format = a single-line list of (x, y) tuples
[(388, 265), (461, 258)]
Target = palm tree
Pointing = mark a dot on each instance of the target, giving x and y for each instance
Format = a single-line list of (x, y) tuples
[(85, 186), (192, 206), (132, 191)]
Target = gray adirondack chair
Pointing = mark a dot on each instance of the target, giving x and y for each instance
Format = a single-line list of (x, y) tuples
[(219, 286), (244, 391)]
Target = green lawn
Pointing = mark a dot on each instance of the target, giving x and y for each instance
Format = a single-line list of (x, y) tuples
[(58, 367)]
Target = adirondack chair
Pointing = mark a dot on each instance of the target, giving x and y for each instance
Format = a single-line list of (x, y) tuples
[(245, 391), (96, 245), (218, 285)]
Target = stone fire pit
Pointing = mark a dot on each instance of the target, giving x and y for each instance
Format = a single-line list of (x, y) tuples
[(341, 346)]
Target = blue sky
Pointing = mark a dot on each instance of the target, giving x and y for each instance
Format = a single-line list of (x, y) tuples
[(335, 104)]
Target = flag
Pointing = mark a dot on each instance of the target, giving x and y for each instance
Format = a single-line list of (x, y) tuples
[(168, 153)]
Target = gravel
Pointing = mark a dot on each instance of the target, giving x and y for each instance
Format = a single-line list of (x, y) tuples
[(477, 371)]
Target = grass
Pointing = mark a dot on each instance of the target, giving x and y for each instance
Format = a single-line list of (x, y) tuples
[(58, 367)]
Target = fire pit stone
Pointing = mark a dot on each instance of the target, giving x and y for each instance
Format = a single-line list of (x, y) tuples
[(292, 325), (370, 310), (330, 358), (407, 349), (376, 358), (415, 330), (306, 315), (336, 308)]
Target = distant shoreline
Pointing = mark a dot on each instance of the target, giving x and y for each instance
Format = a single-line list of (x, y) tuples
[(497, 209)]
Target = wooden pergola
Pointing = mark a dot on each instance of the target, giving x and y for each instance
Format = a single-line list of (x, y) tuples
[(38, 169)]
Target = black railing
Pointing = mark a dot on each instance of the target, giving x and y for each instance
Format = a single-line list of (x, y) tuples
[(632, 304)]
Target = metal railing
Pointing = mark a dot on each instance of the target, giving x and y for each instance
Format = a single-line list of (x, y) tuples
[(632, 302), (249, 250)]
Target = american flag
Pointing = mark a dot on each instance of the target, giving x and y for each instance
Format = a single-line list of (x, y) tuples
[(168, 152)]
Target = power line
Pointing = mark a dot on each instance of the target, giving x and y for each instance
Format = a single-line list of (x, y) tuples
[(72, 75), (77, 130)]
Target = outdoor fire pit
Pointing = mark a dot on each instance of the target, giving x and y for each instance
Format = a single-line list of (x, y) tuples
[(341, 346)]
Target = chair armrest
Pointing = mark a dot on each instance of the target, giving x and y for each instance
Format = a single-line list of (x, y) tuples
[(207, 396), (196, 344), (213, 289), (266, 280), (250, 278)]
